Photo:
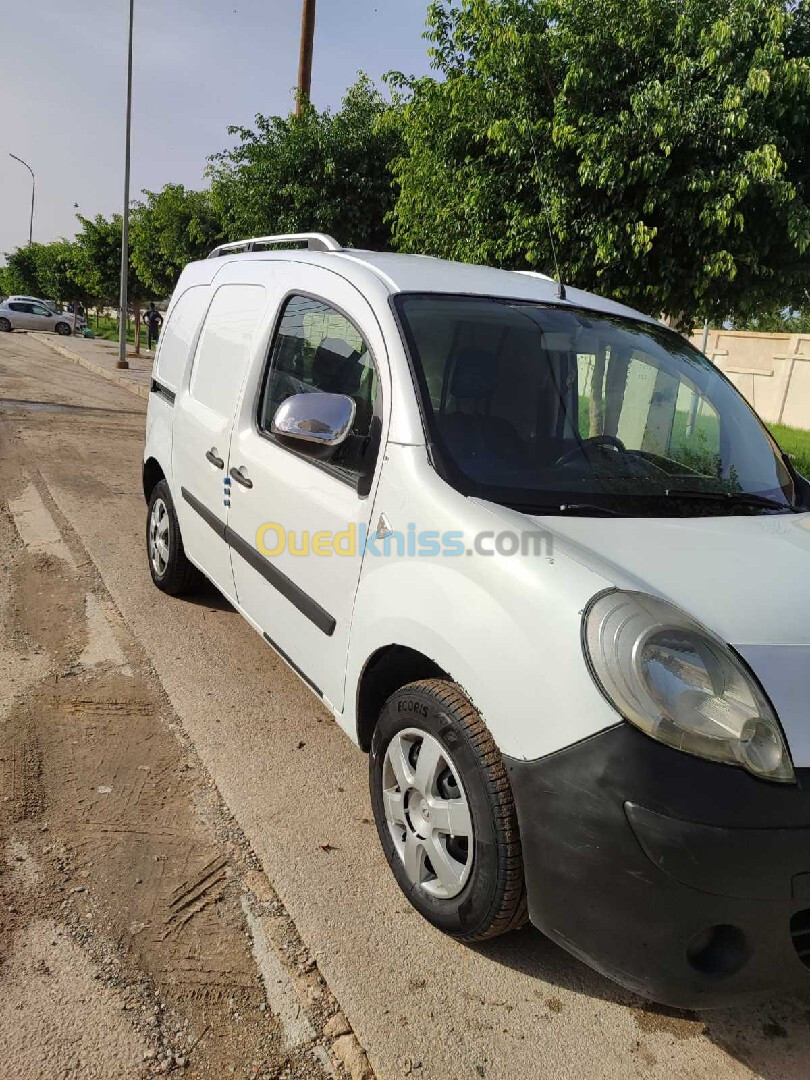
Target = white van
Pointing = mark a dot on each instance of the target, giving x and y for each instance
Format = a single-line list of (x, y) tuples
[(540, 560)]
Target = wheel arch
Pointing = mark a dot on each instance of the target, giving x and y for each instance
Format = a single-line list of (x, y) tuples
[(386, 671), (152, 475)]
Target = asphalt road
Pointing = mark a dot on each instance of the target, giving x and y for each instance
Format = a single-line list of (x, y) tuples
[(420, 1004)]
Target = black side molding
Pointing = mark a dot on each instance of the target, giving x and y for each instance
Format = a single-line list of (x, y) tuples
[(219, 527), (162, 391), (288, 589), (293, 665)]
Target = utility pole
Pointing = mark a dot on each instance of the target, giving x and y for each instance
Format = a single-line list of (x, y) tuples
[(33, 189), (305, 59), (122, 306)]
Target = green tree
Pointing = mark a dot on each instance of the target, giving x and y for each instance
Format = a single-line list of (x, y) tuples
[(322, 171), (662, 143), (21, 274), (99, 255), (170, 228), (778, 321), (98, 259), (60, 274)]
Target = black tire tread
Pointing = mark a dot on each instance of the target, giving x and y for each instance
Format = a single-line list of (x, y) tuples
[(509, 910)]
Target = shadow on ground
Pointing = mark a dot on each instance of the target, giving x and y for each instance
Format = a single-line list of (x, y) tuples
[(206, 595), (772, 1038)]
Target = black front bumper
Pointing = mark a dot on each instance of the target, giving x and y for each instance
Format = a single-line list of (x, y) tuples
[(684, 880)]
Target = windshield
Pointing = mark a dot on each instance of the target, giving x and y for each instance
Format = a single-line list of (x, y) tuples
[(550, 409)]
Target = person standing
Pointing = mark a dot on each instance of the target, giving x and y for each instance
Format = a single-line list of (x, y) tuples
[(154, 321)]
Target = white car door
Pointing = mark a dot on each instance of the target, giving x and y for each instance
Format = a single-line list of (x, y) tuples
[(297, 532), (203, 421)]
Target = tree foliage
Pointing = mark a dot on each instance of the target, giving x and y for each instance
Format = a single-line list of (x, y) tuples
[(60, 273), (21, 272), (322, 171), (98, 255), (50, 271), (777, 321), (170, 228), (663, 143)]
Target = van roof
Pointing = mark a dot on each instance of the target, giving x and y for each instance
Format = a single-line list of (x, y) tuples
[(425, 274)]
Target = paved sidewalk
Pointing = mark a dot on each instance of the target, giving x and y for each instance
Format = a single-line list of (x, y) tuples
[(100, 356)]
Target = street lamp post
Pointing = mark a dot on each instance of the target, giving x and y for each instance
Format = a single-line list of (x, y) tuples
[(122, 312), (33, 192)]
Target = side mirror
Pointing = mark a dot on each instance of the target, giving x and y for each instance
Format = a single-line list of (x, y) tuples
[(324, 420)]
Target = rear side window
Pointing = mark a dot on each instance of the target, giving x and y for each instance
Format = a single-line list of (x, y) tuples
[(179, 334), (24, 309), (224, 347)]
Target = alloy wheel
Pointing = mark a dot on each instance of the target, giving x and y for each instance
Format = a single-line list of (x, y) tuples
[(427, 813), (159, 537)]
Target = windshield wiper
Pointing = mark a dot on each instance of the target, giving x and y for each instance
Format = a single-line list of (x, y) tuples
[(736, 498), (564, 508), (588, 508)]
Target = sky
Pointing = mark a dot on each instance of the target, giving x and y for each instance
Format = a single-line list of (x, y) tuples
[(199, 65)]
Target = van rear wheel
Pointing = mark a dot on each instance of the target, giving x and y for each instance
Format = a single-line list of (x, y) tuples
[(445, 814), (170, 569)]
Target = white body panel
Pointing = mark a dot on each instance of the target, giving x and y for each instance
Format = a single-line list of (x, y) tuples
[(290, 491), (204, 416), (507, 628)]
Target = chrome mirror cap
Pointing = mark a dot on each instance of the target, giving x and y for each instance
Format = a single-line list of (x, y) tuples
[(323, 419)]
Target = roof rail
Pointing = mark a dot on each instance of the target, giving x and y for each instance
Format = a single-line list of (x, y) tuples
[(314, 241)]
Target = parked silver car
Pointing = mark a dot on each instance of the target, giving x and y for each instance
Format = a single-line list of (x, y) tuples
[(51, 305), (33, 315)]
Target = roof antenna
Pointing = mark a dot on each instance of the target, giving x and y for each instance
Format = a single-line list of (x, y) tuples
[(560, 287)]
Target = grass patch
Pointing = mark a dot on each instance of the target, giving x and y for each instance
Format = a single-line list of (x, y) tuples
[(108, 329), (796, 442)]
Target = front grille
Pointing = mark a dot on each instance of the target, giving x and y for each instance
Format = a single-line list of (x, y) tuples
[(800, 932)]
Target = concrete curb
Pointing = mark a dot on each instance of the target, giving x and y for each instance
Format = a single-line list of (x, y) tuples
[(97, 369)]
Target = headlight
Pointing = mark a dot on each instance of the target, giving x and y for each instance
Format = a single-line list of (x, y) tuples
[(675, 680)]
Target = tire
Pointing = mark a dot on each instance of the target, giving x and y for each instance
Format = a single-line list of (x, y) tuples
[(5, 326), (476, 890), (63, 329), (170, 569)]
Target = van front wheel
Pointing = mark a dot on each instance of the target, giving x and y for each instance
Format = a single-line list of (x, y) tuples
[(445, 814)]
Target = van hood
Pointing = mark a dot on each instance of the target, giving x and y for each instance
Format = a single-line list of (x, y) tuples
[(745, 577)]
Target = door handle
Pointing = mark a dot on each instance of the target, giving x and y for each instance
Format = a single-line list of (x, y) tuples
[(239, 476), (211, 456)]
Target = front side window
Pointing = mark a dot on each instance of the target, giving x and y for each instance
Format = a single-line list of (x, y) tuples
[(317, 348), (551, 409)]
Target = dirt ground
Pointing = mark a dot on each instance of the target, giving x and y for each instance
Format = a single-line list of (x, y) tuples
[(190, 880), (132, 909)]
